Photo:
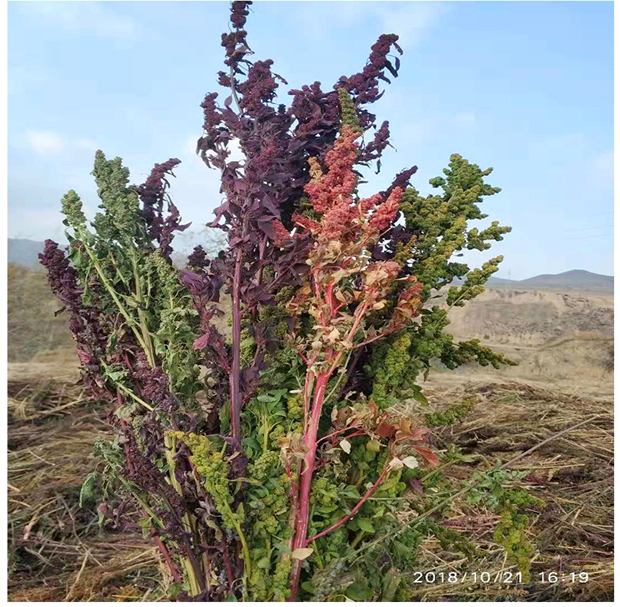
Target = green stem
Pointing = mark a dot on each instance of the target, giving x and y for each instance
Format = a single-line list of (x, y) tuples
[(244, 544), (128, 392), (130, 321), (170, 444), (358, 538), (146, 336)]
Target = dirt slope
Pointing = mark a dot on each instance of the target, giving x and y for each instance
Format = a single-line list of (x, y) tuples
[(555, 337)]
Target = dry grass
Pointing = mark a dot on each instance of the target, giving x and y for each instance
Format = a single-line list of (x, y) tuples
[(573, 475), (57, 551)]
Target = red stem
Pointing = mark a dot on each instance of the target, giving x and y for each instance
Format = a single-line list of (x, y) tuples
[(176, 576), (227, 564), (340, 432), (307, 394), (354, 511), (375, 338), (311, 427), (310, 441), (303, 510), (235, 371)]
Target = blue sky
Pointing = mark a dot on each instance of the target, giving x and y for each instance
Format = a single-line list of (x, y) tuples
[(524, 87)]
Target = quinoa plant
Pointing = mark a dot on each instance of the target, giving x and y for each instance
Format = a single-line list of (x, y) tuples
[(260, 462)]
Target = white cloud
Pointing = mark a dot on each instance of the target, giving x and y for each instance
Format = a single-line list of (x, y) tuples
[(45, 143), (48, 143), (93, 17)]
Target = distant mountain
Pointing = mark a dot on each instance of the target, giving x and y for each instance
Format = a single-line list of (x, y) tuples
[(573, 279), (24, 252)]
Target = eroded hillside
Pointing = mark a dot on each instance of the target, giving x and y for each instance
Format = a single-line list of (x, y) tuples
[(553, 336)]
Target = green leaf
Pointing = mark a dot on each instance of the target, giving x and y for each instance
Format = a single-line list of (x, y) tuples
[(145, 524), (308, 587), (87, 492), (241, 513), (359, 591), (175, 589), (283, 548), (266, 398), (419, 395), (350, 492), (365, 525)]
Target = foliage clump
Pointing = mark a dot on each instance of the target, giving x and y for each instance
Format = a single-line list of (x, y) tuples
[(261, 463)]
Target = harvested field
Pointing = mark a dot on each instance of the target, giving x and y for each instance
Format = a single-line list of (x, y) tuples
[(58, 553), (572, 474), (56, 550)]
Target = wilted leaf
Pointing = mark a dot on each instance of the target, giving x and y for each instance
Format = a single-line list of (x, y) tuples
[(415, 484), (428, 455), (396, 464), (338, 275), (302, 553), (418, 433), (410, 462), (333, 335), (345, 445), (385, 430)]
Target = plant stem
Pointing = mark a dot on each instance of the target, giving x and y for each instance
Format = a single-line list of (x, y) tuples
[(176, 576), (130, 321), (235, 371), (128, 392), (244, 545), (191, 566), (355, 509), (357, 539), (146, 336), (303, 510), (311, 427)]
